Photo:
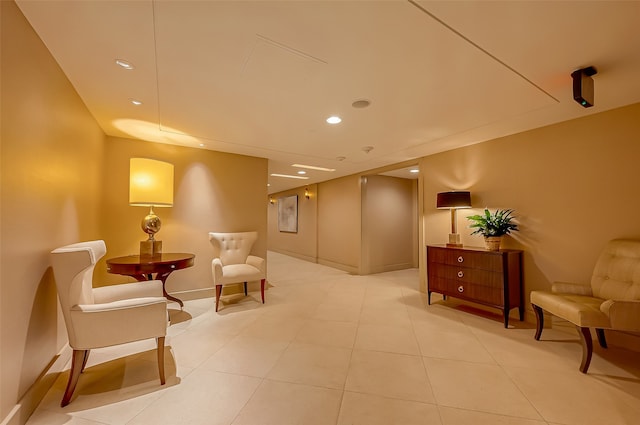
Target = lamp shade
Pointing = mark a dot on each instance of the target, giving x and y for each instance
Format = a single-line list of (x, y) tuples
[(150, 183), (454, 199)]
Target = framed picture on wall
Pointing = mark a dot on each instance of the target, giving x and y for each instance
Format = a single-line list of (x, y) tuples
[(288, 214)]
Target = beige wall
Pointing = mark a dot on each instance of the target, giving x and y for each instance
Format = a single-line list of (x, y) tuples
[(573, 186), (389, 236), (339, 224), (50, 180), (213, 191), (303, 244)]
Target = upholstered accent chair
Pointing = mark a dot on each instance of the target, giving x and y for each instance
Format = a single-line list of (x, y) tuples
[(233, 263), (610, 301), (104, 316)]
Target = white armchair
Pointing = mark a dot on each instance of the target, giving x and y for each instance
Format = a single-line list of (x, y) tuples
[(233, 264), (102, 317), (611, 301)]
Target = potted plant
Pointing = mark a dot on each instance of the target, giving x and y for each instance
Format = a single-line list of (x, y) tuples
[(493, 226)]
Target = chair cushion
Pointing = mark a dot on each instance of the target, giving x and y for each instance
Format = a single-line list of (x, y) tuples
[(238, 273), (580, 310)]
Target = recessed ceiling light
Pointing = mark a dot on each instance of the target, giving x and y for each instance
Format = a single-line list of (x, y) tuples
[(301, 172), (287, 176), (414, 171), (313, 167), (135, 102), (202, 145), (124, 64), (334, 119)]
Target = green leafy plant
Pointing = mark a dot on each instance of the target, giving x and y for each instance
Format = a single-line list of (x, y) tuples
[(496, 224)]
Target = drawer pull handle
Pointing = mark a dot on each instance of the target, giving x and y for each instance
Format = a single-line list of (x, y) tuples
[(460, 259), (461, 289), (460, 273)]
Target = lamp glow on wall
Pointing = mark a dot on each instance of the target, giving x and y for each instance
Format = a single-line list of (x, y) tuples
[(150, 185), (454, 200)]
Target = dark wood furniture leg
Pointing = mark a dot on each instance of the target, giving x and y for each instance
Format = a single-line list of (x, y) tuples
[(587, 347), (84, 362), (262, 289), (78, 360), (539, 321), (601, 339), (163, 278), (218, 293), (521, 312), (160, 342), (245, 289)]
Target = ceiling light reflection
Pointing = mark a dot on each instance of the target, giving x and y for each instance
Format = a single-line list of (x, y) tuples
[(287, 176), (313, 167), (153, 132)]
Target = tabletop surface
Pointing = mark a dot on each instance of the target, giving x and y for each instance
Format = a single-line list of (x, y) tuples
[(164, 258)]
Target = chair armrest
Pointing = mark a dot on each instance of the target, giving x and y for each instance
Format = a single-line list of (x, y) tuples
[(118, 305), (571, 288), (216, 270), (623, 314), (256, 262), (118, 322), (107, 294)]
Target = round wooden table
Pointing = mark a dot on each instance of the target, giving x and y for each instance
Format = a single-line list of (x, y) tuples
[(143, 268)]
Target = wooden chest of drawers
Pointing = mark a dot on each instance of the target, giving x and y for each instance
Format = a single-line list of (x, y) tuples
[(492, 278)]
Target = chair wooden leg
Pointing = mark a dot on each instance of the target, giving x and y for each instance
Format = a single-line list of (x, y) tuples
[(601, 339), (77, 361), (245, 289), (587, 347), (262, 289), (218, 292), (539, 321), (160, 342), (84, 361)]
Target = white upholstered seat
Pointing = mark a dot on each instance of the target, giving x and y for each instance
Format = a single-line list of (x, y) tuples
[(233, 263), (611, 301), (104, 316)]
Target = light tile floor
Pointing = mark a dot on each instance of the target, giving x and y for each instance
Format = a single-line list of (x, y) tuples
[(330, 348)]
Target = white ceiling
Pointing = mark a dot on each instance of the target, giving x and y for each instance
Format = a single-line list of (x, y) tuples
[(260, 78)]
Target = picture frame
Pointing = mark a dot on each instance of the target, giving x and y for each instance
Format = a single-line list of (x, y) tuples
[(288, 214)]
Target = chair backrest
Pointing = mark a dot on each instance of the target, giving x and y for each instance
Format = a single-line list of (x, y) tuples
[(233, 248), (73, 271), (617, 272)]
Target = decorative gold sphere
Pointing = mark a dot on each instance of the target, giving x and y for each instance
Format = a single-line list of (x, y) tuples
[(151, 225)]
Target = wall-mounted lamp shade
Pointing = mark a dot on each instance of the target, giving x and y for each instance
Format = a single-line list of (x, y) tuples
[(150, 183), (455, 199)]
